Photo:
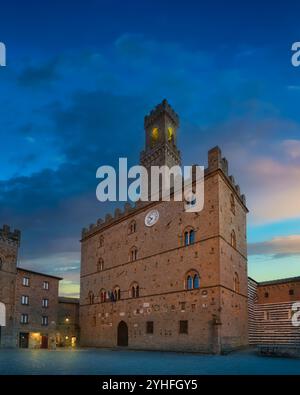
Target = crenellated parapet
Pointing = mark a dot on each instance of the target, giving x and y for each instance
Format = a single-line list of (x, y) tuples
[(110, 219), (217, 162), (9, 236), (163, 107)]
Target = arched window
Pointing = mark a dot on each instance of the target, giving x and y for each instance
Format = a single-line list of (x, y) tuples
[(133, 254), (196, 281), (117, 293), (192, 236), (101, 241), (233, 239), (132, 227), (189, 282), (186, 238), (135, 290), (236, 283), (189, 237), (192, 280), (232, 203), (100, 265), (91, 297), (103, 295)]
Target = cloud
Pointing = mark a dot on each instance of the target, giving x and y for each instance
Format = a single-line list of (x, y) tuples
[(278, 247), (33, 76), (292, 148), (93, 114)]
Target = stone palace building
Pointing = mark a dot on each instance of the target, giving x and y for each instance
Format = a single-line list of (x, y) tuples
[(157, 277)]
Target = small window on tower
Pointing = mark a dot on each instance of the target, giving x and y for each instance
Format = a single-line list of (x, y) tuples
[(291, 292), (266, 294), (154, 135), (170, 134)]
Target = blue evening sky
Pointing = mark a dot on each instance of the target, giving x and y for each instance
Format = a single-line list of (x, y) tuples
[(80, 77)]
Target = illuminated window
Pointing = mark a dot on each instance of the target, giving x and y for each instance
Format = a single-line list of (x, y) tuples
[(154, 135), (170, 134)]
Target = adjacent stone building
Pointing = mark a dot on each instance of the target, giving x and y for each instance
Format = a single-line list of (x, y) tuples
[(68, 322), (31, 311), (157, 277), (271, 311), (36, 309), (9, 247)]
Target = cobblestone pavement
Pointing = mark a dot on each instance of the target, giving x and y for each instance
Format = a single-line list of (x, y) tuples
[(103, 361)]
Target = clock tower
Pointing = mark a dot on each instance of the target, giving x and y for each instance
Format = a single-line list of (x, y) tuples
[(160, 137)]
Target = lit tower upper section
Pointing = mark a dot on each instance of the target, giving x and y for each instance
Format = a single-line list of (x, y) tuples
[(160, 137)]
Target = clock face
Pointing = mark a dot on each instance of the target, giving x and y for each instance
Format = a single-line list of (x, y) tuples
[(151, 218)]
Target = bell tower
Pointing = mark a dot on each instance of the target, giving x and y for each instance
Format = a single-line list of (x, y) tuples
[(160, 137)]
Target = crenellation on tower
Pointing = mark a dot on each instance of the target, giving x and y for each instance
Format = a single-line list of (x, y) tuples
[(152, 258), (217, 162), (9, 236), (162, 108), (161, 127)]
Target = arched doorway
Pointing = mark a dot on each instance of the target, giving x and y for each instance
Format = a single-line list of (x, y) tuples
[(122, 334)]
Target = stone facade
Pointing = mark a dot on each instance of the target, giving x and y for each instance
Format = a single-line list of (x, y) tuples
[(30, 309), (136, 280), (271, 311), (9, 247), (36, 309), (68, 322)]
